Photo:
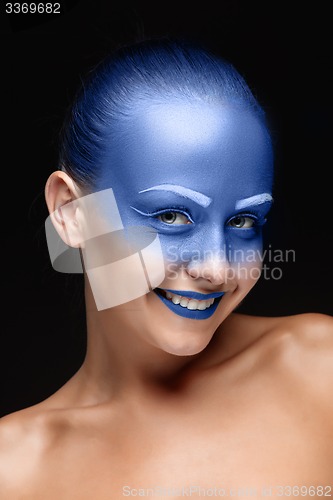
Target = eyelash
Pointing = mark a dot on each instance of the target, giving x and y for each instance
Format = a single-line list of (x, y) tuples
[(258, 221), (160, 211)]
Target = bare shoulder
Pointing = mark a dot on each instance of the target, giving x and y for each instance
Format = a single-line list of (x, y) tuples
[(23, 440), (19, 443), (269, 339), (308, 324), (300, 350), (313, 334), (304, 327), (300, 344), (26, 436), (311, 331)]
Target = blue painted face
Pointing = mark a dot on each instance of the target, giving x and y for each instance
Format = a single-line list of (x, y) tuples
[(201, 176)]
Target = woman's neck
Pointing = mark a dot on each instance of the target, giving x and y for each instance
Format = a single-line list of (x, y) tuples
[(120, 361)]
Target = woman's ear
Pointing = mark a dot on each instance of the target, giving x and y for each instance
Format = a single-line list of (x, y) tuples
[(61, 195)]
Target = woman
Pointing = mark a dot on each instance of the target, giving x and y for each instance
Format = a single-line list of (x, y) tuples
[(165, 182)]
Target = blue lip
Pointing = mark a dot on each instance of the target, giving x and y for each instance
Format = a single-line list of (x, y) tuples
[(196, 295), (187, 313)]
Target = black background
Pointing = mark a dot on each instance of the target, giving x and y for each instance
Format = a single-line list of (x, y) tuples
[(284, 54)]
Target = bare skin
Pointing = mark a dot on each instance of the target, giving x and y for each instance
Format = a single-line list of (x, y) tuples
[(254, 410)]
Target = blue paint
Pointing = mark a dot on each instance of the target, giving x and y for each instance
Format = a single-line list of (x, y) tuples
[(187, 313), (162, 113), (154, 71), (234, 162)]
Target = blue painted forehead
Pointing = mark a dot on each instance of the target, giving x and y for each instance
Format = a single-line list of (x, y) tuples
[(155, 71)]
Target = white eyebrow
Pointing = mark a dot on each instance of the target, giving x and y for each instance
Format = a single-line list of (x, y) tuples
[(199, 198), (258, 199)]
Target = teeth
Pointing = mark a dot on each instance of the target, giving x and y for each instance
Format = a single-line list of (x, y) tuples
[(202, 306), (191, 304)]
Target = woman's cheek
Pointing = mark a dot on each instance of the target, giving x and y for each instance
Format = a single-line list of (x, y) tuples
[(244, 255)]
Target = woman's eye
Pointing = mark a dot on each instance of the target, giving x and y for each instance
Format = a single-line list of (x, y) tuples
[(242, 222), (173, 218)]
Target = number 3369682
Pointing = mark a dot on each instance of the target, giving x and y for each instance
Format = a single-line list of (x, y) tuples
[(32, 8)]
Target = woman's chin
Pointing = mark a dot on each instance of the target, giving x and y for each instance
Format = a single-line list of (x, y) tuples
[(185, 345), (173, 333), (184, 351)]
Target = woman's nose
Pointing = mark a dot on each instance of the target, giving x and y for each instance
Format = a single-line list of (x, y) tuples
[(213, 269), (209, 255)]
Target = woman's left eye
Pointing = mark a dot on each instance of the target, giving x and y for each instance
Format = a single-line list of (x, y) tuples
[(174, 218), (242, 222)]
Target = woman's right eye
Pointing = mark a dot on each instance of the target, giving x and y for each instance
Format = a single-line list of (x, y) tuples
[(173, 218), (242, 222)]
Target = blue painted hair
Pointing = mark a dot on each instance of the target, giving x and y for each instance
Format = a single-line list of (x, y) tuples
[(152, 70)]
